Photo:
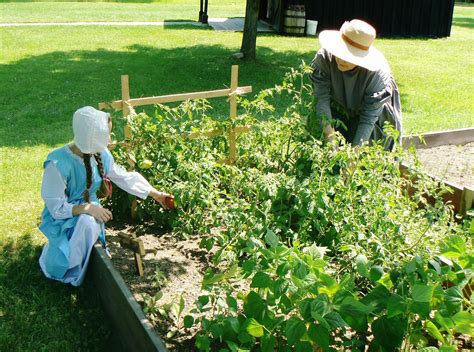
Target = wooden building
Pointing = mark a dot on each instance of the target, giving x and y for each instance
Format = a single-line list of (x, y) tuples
[(391, 18)]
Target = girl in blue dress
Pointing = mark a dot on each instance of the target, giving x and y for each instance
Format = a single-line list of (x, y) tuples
[(73, 218)]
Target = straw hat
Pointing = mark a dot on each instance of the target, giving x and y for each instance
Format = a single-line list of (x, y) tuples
[(353, 43), (91, 130)]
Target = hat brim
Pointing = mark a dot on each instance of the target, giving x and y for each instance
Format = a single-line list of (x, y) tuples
[(371, 59)]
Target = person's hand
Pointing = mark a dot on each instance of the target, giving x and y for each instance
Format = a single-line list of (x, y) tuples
[(165, 199), (99, 213), (329, 131)]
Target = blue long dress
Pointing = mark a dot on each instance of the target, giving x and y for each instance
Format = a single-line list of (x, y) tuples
[(66, 255)]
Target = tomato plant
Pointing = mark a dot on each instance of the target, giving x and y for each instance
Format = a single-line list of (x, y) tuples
[(338, 249)]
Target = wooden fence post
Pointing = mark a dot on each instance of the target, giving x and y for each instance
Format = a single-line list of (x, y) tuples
[(127, 132), (233, 113)]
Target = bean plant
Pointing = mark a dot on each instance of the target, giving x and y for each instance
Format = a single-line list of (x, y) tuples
[(339, 250)]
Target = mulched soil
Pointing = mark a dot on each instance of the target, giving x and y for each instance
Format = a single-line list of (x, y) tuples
[(450, 163)]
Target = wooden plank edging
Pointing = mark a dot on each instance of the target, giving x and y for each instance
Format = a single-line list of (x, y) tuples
[(132, 327), (436, 139), (461, 197)]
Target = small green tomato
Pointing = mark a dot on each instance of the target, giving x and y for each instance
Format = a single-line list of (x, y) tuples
[(146, 164)]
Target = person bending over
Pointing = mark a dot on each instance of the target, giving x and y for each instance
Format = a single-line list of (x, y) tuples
[(353, 85)]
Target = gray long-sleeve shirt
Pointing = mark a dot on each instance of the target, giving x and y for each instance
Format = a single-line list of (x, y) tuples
[(370, 96)]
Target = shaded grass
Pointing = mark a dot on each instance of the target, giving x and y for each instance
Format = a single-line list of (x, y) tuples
[(47, 73), (40, 315)]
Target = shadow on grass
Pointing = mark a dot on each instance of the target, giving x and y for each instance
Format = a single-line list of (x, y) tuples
[(40, 93), (37, 312), (466, 22)]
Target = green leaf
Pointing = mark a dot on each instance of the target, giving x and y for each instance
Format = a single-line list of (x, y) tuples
[(283, 269), (433, 331), (305, 308), (330, 285), (302, 346), (211, 278), (421, 308), (410, 267), (377, 298), (203, 343), (203, 300), (234, 324), (352, 306), (445, 323), (315, 252), (396, 305), (301, 270), (320, 335), (361, 265), (320, 305), (232, 303), (253, 327), (254, 306), (271, 239), (335, 320), (294, 330), (319, 318), (354, 313), (376, 272), (216, 330), (188, 321), (261, 280), (453, 247), (232, 346), (267, 343), (422, 293), (464, 323), (428, 349), (248, 266), (454, 298), (390, 333)]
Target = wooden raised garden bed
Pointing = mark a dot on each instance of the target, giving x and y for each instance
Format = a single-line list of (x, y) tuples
[(131, 326), (137, 333)]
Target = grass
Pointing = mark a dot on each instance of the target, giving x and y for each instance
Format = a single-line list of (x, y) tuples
[(139, 10), (48, 72)]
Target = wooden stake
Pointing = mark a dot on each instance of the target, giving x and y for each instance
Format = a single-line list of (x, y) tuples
[(233, 113), (128, 132), (136, 245), (125, 95)]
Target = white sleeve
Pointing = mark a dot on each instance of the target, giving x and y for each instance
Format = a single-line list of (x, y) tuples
[(131, 182), (53, 192)]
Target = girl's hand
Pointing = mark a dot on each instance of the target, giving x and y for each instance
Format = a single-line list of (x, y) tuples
[(165, 199), (96, 211), (99, 213)]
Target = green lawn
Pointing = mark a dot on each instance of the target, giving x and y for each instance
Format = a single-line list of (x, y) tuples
[(138, 10), (48, 72)]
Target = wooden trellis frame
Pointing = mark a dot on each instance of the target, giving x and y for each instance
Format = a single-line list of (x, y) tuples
[(128, 104)]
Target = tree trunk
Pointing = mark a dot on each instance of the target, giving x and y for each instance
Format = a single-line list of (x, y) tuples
[(249, 39)]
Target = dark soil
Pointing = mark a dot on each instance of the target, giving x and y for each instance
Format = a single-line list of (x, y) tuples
[(173, 267)]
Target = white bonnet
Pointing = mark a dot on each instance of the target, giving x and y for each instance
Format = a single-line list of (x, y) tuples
[(91, 130)]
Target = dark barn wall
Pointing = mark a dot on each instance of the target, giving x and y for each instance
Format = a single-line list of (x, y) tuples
[(427, 18)]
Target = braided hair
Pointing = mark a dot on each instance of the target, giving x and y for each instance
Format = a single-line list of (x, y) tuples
[(103, 191), (87, 164)]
